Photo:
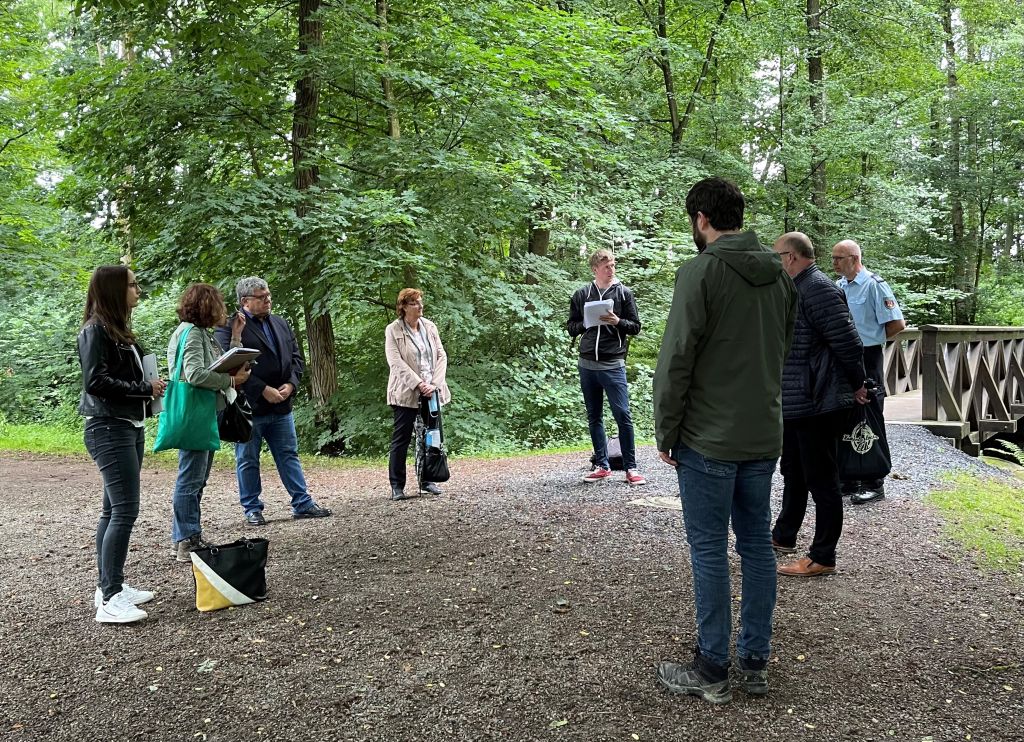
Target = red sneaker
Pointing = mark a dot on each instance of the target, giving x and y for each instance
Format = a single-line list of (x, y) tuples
[(635, 478), (597, 475)]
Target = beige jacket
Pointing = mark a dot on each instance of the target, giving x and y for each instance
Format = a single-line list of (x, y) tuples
[(404, 363)]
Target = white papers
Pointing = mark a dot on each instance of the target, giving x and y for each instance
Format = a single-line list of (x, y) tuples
[(234, 358), (150, 373), (594, 310)]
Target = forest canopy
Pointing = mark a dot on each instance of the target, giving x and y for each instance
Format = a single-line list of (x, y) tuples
[(480, 150)]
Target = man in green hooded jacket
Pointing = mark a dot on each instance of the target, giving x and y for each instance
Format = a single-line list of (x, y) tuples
[(718, 421)]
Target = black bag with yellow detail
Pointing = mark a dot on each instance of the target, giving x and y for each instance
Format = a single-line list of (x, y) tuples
[(230, 574)]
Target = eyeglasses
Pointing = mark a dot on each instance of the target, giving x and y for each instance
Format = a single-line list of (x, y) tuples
[(260, 297), (414, 304), (135, 285), (837, 258), (787, 252)]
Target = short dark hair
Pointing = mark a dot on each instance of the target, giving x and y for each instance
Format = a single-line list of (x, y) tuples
[(720, 200), (202, 305)]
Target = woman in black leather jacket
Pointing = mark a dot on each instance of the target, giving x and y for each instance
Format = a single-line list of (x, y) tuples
[(115, 401)]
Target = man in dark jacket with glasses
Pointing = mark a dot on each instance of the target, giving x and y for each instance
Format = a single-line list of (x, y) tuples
[(822, 379)]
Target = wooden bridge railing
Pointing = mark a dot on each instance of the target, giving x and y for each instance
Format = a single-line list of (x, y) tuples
[(971, 379)]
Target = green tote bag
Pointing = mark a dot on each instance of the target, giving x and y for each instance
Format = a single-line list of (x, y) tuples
[(189, 419)]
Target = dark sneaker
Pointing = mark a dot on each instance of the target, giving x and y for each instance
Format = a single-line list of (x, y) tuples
[(848, 488), (691, 680), (430, 488), (184, 548), (255, 518), (753, 675), (313, 511), (398, 493)]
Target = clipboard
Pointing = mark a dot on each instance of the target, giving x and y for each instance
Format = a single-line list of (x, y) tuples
[(234, 359)]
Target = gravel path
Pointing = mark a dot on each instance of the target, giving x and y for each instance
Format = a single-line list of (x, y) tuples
[(520, 605)]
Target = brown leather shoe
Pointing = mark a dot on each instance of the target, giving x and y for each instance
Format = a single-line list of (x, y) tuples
[(805, 567)]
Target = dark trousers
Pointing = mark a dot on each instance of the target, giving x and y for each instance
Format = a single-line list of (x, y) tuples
[(117, 447), (401, 437), (596, 385), (874, 366), (809, 464)]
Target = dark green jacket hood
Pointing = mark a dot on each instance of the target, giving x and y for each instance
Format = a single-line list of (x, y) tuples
[(743, 253)]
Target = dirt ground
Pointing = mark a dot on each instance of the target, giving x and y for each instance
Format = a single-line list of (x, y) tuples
[(520, 605)]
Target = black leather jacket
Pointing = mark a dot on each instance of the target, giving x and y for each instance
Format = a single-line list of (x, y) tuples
[(112, 381)]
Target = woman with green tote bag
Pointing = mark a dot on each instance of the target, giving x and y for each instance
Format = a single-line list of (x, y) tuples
[(194, 396)]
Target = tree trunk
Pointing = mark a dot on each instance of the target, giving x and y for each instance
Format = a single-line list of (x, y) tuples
[(708, 56), (956, 206), (665, 63), (394, 130), (322, 370), (816, 77), (539, 238)]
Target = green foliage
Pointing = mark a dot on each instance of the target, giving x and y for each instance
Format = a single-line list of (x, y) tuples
[(160, 133)]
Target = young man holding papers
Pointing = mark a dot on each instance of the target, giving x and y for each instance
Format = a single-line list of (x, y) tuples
[(604, 313)]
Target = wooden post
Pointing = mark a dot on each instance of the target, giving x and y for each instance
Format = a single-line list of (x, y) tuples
[(930, 355)]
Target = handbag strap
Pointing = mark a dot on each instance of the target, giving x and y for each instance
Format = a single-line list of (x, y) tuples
[(181, 353)]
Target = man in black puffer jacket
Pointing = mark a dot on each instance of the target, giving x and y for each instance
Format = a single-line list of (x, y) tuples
[(822, 378)]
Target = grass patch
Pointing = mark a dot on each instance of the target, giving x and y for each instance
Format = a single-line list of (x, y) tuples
[(987, 517), (35, 438), (67, 441)]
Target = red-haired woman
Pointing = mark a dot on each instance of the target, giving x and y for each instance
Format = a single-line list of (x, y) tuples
[(418, 365), (115, 401), (200, 309)]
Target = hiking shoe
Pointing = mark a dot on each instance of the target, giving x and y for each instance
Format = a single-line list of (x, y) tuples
[(119, 609), (634, 478), (690, 679), (255, 518), (137, 597), (753, 675), (780, 549), (313, 511), (805, 567), (184, 548), (398, 493), (597, 475), (430, 488)]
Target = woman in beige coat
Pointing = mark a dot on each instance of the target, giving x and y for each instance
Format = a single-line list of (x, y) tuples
[(418, 365)]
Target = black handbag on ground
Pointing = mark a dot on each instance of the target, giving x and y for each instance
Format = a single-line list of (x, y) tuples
[(863, 448), (435, 459), (234, 422), (230, 574)]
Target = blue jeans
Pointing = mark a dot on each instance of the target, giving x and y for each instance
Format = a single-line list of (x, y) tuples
[(711, 491), (117, 447), (193, 471), (595, 385), (279, 433)]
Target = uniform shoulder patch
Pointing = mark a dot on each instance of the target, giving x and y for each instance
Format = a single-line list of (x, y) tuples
[(890, 303)]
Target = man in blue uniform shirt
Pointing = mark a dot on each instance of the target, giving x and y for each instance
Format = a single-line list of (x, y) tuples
[(878, 318)]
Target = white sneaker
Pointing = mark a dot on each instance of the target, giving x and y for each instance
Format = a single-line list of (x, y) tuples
[(119, 609), (137, 597)]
